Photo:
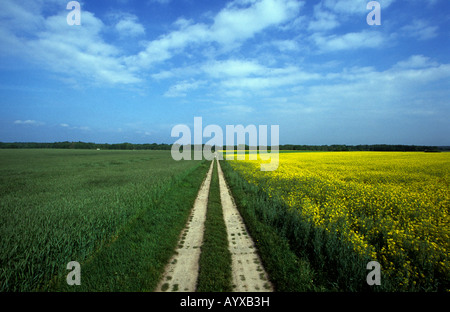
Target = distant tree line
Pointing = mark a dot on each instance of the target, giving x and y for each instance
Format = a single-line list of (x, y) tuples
[(84, 145), (155, 146), (375, 147)]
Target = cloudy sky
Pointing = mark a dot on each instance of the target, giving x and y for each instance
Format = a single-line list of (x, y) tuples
[(134, 69)]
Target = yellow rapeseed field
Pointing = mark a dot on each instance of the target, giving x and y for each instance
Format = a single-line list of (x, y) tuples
[(392, 207)]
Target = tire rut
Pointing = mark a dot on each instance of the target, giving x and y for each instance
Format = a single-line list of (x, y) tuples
[(182, 271), (247, 270)]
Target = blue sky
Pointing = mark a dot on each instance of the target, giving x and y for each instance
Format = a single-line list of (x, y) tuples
[(134, 69)]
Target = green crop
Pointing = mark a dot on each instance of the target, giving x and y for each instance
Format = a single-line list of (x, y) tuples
[(58, 206)]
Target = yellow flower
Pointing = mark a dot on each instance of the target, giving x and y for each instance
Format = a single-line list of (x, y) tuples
[(391, 206)]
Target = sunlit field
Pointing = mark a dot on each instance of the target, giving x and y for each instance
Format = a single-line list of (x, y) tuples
[(117, 213), (390, 207)]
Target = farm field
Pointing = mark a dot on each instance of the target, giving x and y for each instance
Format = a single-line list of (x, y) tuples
[(340, 210), (316, 221), (118, 213)]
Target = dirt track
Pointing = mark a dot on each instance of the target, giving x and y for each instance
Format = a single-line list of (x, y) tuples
[(247, 271), (182, 271)]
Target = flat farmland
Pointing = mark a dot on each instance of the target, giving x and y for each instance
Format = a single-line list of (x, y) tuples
[(58, 206), (315, 223), (341, 210)]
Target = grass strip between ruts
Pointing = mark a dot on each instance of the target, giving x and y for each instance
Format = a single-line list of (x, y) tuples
[(215, 258)]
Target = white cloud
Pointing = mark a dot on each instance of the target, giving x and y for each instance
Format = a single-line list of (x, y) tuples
[(163, 75), (15, 15), (67, 126), (129, 26), (78, 51), (180, 89), (266, 79), (420, 29), (232, 25), (286, 45), (166, 46), (159, 1), (419, 74), (29, 122), (350, 7), (290, 92), (232, 68), (329, 14), (235, 23), (353, 40), (416, 61), (270, 83), (323, 19), (364, 91)]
